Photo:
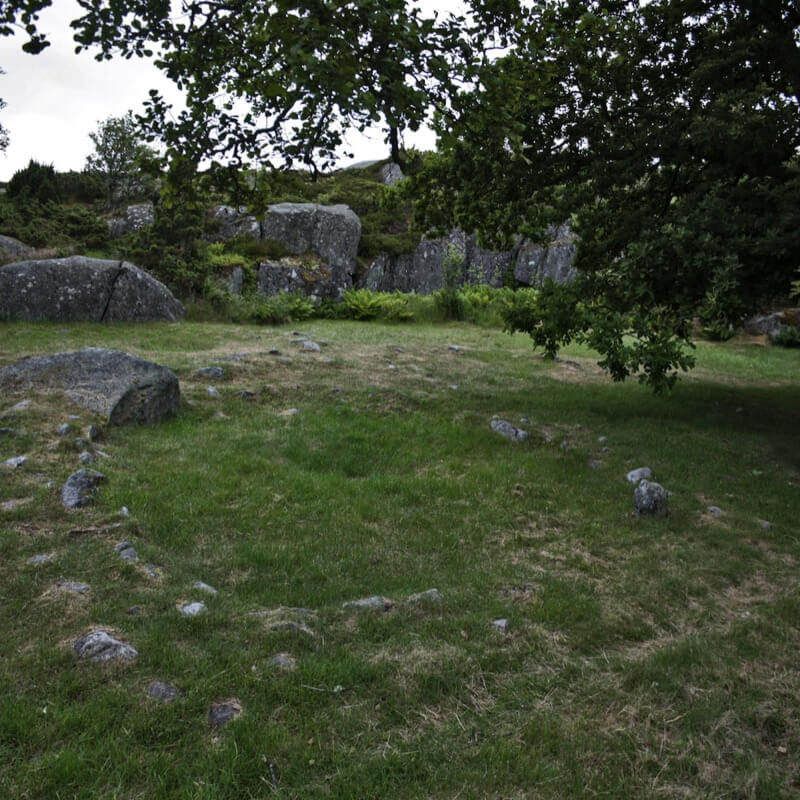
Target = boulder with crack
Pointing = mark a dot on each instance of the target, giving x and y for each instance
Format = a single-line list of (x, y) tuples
[(84, 289)]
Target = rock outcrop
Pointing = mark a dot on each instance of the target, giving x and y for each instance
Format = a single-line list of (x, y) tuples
[(421, 271), (136, 217), (87, 289), (228, 222), (123, 388)]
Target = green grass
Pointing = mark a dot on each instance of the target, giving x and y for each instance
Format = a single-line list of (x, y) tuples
[(644, 658)]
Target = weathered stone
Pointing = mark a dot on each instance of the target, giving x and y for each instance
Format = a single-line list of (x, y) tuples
[(310, 347), (209, 372), (101, 647), (42, 558), (81, 288), (204, 587), (122, 387), (428, 596), (15, 462), (86, 458), (374, 602), (289, 275), (508, 431), (192, 609), (640, 474), (212, 391), (715, 511), (236, 281), (764, 525), (80, 488), (650, 499), (221, 714), (770, 324), (228, 222), (163, 692), (92, 433), (136, 217), (13, 248), (501, 625)]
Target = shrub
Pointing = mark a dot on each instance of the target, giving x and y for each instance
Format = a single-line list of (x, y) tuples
[(35, 182), (788, 336), (363, 304), (281, 308), (80, 187)]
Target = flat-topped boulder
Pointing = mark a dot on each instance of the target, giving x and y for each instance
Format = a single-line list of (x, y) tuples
[(331, 233), (123, 388), (84, 289), (136, 217)]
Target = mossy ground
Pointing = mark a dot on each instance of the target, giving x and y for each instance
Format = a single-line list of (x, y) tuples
[(644, 658)]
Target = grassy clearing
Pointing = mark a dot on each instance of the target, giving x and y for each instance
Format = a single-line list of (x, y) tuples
[(643, 658)]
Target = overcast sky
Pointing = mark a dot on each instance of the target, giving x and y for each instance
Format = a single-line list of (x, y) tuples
[(56, 98)]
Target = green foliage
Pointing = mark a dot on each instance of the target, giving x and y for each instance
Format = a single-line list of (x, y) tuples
[(283, 307), (3, 132), (448, 301), (363, 304), (788, 336), (36, 182), (81, 187)]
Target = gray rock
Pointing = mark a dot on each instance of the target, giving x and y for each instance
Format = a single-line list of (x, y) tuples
[(283, 661), (715, 511), (136, 217), (508, 431), (64, 429), (390, 174), (40, 559), (81, 288), (74, 586), (536, 263), (770, 324), (21, 406), (289, 626), (640, 474), (454, 347), (192, 609), (81, 443), (101, 647), (91, 433), (221, 714), (209, 372), (86, 457), (228, 222), (123, 388), (246, 394), (15, 462), (134, 611), (11, 248), (163, 692), (236, 281), (650, 500), (428, 596), (331, 233), (212, 391), (204, 587), (154, 572), (310, 347), (376, 602), (127, 552), (764, 525), (501, 625), (80, 488), (289, 275)]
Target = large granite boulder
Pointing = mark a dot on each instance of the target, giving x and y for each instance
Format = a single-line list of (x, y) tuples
[(316, 281), (11, 248), (136, 217), (123, 388), (88, 289), (535, 263), (773, 323), (228, 222), (331, 233)]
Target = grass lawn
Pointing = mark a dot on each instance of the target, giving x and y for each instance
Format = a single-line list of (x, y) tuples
[(643, 658)]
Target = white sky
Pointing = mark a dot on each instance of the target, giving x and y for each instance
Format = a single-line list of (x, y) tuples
[(56, 98)]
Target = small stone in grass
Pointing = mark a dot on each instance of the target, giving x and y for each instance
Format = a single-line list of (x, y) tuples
[(80, 488), (99, 646), (640, 474), (127, 552), (212, 391), (40, 559), (86, 457), (222, 713), (715, 511), (209, 372), (15, 462), (650, 499), (204, 587), (376, 601), (764, 525), (501, 625), (163, 692), (283, 661), (428, 596), (508, 431), (74, 586), (64, 429), (290, 412), (310, 347), (192, 609)]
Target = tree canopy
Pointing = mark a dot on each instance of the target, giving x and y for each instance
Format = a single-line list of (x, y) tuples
[(668, 133)]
